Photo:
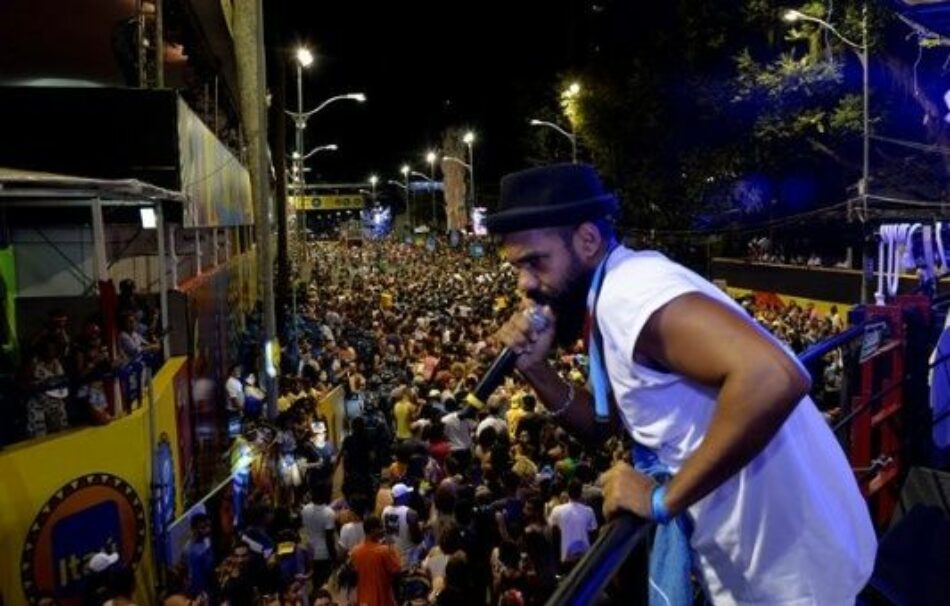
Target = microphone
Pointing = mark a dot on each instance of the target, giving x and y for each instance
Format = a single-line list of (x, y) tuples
[(503, 364)]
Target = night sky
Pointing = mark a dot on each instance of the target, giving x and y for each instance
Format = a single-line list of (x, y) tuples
[(424, 66)]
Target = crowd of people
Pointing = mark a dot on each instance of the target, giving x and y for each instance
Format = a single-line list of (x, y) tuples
[(421, 498), (762, 250), (66, 379)]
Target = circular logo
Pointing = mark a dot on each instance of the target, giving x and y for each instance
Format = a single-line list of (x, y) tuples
[(93, 513)]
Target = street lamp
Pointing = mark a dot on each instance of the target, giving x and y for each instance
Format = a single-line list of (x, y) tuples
[(571, 136), (304, 56), (469, 139), (304, 59), (792, 16), (430, 158), (405, 170), (458, 161), (861, 49), (319, 148), (300, 117), (373, 180), (416, 173)]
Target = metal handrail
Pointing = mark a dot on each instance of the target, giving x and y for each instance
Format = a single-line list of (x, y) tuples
[(601, 562), (819, 350)]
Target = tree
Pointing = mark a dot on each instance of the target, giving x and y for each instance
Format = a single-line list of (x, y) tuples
[(705, 108)]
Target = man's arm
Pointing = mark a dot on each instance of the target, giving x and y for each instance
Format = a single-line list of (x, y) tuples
[(578, 418), (759, 386), (532, 346)]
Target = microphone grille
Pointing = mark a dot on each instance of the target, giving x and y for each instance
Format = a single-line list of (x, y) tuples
[(538, 320)]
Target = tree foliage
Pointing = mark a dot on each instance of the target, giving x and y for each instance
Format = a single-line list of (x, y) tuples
[(720, 106)]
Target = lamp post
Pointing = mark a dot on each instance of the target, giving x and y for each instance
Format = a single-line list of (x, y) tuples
[(300, 117), (428, 180), (319, 148), (373, 180), (861, 49), (571, 136), (430, 158), (304, 59), (469, 140), (791, 16), (405, 170)]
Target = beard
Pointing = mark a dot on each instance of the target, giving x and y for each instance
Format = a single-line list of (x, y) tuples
[(569, 303)]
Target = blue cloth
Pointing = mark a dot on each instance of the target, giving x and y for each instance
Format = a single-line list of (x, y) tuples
[(200, 568), (670, 558)]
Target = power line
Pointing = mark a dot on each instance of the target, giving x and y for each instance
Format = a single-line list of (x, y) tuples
[(938, 149)]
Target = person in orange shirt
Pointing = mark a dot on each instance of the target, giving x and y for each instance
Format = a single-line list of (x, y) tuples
[(377, 566)]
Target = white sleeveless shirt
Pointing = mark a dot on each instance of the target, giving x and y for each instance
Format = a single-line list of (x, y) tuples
[(396, 524), (791, 527)]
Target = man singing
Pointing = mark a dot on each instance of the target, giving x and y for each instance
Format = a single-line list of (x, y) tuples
[(709, 397)]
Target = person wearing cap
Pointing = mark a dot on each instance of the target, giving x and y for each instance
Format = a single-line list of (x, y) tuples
[(96, 582), (715, 404), (401, 524)]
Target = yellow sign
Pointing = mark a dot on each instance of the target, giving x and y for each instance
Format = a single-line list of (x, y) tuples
[(69, 494), (327, 202)]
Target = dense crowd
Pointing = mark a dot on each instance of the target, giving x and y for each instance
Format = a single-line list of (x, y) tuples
[(405, 493), (421, 498)]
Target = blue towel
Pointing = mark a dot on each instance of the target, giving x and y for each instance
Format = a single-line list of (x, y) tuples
[(670, 559)]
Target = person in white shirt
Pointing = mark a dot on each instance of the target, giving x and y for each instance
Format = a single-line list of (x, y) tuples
[(351, 535), (494, 420), (319, 526), (458, 427), (722, 405), (401, 524), (235, 389), (576, 524)]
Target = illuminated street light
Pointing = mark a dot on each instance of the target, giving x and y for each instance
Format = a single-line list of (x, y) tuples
[(304, 56), (793, 16), (571, 136), (430, 158)]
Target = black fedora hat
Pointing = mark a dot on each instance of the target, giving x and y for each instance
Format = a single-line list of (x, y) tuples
[(550, 196)]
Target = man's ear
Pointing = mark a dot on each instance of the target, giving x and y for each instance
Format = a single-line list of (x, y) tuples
[(587, 241)]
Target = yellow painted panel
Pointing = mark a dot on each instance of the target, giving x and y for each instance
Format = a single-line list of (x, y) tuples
[(95, 466)]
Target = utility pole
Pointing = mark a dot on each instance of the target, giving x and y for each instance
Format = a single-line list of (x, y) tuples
[(278, 138), (249, 52)]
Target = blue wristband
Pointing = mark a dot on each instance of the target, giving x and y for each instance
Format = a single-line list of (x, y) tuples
[(661, 515)]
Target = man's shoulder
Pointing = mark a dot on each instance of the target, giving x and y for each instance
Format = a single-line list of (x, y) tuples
[(643, 262)]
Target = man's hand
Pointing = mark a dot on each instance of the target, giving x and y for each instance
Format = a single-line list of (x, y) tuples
[(521, 335), (628, 490)]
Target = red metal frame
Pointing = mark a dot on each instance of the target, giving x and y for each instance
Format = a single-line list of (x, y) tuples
[(876, 432)]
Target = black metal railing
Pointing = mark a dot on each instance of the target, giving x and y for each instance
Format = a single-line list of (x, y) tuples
[(592, 574)]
